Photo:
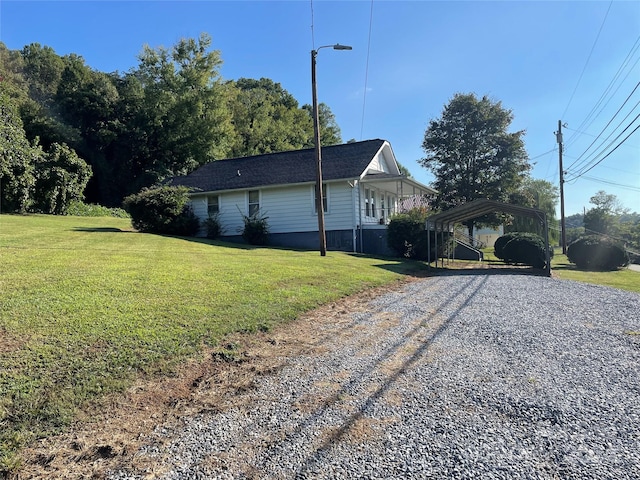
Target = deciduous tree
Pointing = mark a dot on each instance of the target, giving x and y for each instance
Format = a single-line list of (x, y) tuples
[(17, 159), (472, 154), (61, 177)]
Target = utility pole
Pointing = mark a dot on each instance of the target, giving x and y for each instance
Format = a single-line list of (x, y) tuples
[(562, 223), (318, 152)]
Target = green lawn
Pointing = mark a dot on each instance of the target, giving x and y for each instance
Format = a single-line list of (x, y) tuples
[(88, 305), (623, 279)]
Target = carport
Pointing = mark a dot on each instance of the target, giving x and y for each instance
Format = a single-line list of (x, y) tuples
[(445, 221)]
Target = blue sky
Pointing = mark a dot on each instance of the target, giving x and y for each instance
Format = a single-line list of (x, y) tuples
[(546, 61)]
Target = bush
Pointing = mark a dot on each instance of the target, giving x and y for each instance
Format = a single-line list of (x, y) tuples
[(526, 249), (256, 229), (81, 209), (597, 253), (406, 234), (503, 240), (164, 210), (213, 227), (407, 237)]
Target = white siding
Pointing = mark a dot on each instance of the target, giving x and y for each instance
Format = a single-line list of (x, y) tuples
[(290, 209), (379, 164), (230, 217)]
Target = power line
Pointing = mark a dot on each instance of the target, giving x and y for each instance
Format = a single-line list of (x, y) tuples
[(606, 126), (595, 155), (621, 185), (366, 71), (588, 58), (581, 173), (313, 40), (588, 120), (543, 154)]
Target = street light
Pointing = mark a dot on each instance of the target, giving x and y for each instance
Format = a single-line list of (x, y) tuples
[(316, 136)]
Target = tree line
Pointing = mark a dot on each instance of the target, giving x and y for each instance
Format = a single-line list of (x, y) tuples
[(69, 129)]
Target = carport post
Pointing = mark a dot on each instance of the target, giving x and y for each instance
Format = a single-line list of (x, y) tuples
[(448, 252), (453, 234), (435, 236), (442, 242), (546, 241), (428, 245)]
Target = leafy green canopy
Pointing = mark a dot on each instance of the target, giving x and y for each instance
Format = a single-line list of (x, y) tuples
[(166, 117), (17, 160), (540, 194), (32, 179), (472, 155)]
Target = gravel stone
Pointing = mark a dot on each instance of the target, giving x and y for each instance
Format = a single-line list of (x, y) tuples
[(459, 376)]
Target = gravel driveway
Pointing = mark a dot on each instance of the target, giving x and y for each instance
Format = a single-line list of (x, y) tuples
[(461, 376)]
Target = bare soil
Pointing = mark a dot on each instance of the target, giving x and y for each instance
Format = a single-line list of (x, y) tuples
[(107, 435)]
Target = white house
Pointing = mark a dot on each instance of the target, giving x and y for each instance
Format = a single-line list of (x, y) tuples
[(363, 187)]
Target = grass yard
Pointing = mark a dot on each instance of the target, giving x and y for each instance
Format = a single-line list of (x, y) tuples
[(87, 305), (623, 279)]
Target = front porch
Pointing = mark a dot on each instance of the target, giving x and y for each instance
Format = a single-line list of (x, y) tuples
[(381, 195)]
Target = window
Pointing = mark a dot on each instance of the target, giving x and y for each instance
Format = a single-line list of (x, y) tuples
[(213, 205), (324, 199), (254, 202), (367, 206), (373, 204)]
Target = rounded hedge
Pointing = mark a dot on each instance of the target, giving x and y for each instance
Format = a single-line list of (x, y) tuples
[(527, 250), (597, 253), (522, 248), (502, 241), (163, 210)]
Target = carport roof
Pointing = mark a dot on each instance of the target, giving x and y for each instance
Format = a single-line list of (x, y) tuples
[(479, 207)]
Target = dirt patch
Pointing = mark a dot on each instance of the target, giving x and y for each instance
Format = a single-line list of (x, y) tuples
[(10, 343), (108, 435)]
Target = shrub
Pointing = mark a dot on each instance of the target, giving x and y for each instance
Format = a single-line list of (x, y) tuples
[(407, 237), (163, 210), (187, 224), (81, 209), (597, 253), (501, 241), (527, 249), (406, 234), (256, 229), (213, 227)]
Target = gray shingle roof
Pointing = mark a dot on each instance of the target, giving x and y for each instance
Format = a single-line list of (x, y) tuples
[(346, 161)]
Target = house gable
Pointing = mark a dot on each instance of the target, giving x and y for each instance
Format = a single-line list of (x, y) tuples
[(383, 162)]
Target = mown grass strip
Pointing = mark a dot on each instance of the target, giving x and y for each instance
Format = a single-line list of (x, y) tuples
[(87, 305), (623, 279)]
